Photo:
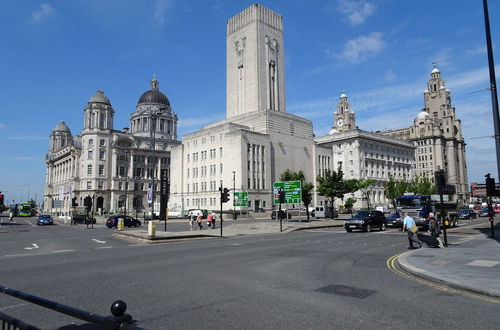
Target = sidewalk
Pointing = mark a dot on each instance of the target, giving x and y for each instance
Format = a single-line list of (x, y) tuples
[(471, 261), (232, 228)]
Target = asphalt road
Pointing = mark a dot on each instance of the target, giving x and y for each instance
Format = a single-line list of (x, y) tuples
[(318, 279)]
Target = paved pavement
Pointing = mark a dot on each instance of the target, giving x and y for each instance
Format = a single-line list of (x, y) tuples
[(471, 261)]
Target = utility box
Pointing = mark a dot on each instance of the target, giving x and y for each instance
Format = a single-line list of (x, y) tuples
[(151, 228)]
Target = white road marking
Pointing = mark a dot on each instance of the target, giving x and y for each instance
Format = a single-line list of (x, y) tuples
[(60, 251), (29, 223), (98, 241), (103, 247), (17, 255), (32, 247)]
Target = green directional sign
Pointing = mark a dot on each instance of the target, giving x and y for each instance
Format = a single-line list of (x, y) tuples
[(292, 189), (240, 198)]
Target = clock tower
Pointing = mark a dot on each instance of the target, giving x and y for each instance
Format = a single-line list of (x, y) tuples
[(343, 118)]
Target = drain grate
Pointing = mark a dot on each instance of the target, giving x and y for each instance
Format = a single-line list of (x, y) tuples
[(344, 290)]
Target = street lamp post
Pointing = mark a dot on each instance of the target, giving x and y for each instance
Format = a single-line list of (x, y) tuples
[(234, 194), (154, 113)]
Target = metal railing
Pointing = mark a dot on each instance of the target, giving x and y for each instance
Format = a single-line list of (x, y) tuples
[(118, 320)]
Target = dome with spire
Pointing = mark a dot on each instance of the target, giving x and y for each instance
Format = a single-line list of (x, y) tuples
[(422, 115), (99, 97), (61, 127), (154, 95), (435, 70)]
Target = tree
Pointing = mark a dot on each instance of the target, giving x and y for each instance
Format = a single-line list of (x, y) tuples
[(363, 187), (349, 203), (391, 190), (307, 187), (332, 185), (421, 185)]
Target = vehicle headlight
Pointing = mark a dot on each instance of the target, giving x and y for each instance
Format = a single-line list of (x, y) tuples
[(421, 219)]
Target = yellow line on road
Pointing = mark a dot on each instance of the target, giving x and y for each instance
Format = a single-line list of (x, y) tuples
[(391, 264)]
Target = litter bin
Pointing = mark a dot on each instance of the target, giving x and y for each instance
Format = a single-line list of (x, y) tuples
[(151, 228), (121, 224)]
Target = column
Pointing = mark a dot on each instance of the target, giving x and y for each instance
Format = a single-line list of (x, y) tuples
[(462, 184), (452, 166)]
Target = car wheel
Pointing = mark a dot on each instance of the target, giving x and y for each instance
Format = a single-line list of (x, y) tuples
[(382, 227), (137, 224), (368, 228), (349, 230)]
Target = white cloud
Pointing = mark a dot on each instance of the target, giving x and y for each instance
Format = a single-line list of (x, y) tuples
[(44, 11), (160, 9), (360, 48), (356, 12)]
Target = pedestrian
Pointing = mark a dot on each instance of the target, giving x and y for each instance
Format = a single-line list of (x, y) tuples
[(213, 220), (434, 229), (11, 216), (191, 220), (209, 221), (410, 226), (199, 219)]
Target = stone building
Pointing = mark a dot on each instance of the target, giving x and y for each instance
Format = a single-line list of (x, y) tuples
[(436, 134), (114, 167)]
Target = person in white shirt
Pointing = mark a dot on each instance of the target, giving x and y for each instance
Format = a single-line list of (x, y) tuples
[(408, 223)]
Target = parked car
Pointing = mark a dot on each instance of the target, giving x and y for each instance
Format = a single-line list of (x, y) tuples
[(496, 209), (204, 213), (467, 214), (477, 207), (45, 219), (484, 212), (395, 220), (311, 211), (283, 214), (112, 221), (366, 221), (82, 218), (323, 211)]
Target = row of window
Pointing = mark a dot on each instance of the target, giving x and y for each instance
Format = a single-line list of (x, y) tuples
[(202, 186), (194, 172), (195, 156), (203, 141), (102, 142)]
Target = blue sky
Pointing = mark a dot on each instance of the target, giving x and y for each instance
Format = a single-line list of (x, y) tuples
[(55, 54)]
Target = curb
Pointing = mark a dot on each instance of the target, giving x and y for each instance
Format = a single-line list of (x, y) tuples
[(457, 284)]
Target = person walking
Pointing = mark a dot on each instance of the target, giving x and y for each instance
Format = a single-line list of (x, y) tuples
[(199, 219), (213, 220), (11, 216), (191, 221), (410, 226), (434, 229), (209, 221)]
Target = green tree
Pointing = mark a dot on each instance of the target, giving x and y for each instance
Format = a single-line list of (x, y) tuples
[(307, 187), (391, 190), (364, 188), (332, 185), (349, 203)]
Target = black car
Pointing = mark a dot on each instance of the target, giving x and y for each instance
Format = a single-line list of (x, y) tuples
[(44, 219), (366, 221), (395, 220), (467, 214), (82, 218), (127, 221), (283, 214)]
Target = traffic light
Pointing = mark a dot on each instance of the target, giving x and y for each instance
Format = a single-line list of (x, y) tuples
[(440, 179), (87, 202), (1, 199), (281, 193), (73, 202), (224, 195), (490, 186)]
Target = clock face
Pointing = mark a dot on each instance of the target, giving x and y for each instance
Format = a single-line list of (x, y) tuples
[(340, 122)]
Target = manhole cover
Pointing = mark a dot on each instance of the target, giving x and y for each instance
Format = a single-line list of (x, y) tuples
[(344, 290)]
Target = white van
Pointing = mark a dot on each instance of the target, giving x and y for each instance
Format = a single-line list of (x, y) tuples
[(322, 211)]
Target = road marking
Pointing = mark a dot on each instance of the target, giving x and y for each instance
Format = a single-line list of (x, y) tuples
[(391, 264), (98, 241), (60, 251), (17, 255), (103, 247), (29, 223), (32, 247)]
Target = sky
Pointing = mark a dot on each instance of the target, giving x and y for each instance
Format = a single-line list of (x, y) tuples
[(55, 54)]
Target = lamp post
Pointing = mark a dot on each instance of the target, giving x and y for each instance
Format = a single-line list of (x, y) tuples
[(154, 113), (234, 194)]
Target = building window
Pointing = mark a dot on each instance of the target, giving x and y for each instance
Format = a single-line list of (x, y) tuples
[(220, 168), (100, 185), (220, 152), (121, 171), (90, 154), (101, 154), (91, 142), (101, 169), (102, 142), (89, 185), (89, 169)]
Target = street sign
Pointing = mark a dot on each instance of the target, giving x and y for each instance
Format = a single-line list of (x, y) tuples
[(292, 189), (240, 198)]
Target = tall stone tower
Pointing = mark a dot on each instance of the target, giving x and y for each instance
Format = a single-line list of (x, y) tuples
[(255, 65), (343, 118)]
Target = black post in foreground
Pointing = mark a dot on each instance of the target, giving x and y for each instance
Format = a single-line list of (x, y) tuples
[(443, 219), (282, 200), (221, 202), (491, 191), (493, 88), (440, 179)]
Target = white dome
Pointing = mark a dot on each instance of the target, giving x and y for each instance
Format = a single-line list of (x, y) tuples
[(343, 95), (426, 91), (332, 131), (422, 115), (435, 70)]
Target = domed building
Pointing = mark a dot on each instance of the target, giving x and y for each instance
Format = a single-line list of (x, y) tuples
[(115, 168)]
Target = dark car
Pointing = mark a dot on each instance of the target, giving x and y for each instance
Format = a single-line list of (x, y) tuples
[(44, 219), (395, 220), (366, 221), (283, 214), (82, 218), (484, 212), (112, 221), (467, 214)]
